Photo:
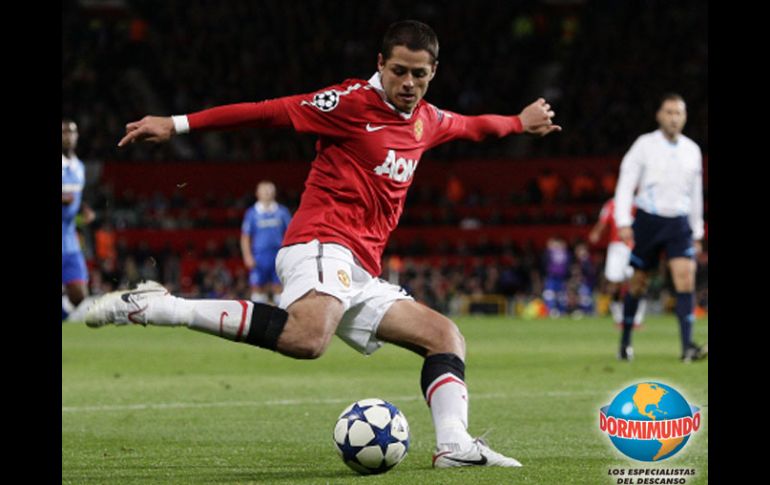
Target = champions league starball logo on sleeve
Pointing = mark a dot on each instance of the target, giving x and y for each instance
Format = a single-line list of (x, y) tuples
[(649, 421)]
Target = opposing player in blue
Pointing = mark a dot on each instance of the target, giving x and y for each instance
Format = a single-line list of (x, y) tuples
[(74, 273), (667, 169), (264, 225)]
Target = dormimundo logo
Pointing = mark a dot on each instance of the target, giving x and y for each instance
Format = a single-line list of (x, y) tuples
[(649, 421)]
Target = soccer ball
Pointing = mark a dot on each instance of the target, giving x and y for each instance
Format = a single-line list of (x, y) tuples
[(371, 436)]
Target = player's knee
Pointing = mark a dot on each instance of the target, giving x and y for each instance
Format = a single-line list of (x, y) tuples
[(639, 283), (309, 349), (306, 338), (446, 337)]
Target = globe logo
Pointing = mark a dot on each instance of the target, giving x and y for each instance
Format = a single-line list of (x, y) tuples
[(649, 421)]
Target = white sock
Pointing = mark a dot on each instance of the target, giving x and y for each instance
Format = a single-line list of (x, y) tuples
[(229, 319), (79, 313), (447, 398), (640, 311), (616, 309), (259, 297), (277, 299), (66, 307)]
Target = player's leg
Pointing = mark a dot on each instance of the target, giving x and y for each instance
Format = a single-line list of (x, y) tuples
[(302, 331), (256, 282), (418, 328), (75, 281), (618, 255), (276, 288), (683, 276), (680, 251), (301, 328)]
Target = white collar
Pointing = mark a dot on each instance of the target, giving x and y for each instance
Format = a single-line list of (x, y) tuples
[(261, 208), (67, 162), (376, 82)]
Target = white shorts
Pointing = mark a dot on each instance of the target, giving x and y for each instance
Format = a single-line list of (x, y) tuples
[(332, 269), (617, 268)]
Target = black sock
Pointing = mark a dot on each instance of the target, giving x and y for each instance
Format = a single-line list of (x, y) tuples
[(267, 323), (439, 364), (684, 312), (630, 305)]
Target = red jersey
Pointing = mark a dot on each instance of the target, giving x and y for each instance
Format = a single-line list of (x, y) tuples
[(606, 216), (367, 154)]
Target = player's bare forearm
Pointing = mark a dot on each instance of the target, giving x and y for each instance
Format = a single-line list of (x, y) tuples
[(248, 259), (626, 234), (88, 214), (537, 118), (596, 233)]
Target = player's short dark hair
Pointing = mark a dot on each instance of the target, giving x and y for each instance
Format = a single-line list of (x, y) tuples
[(671, 97), (413, 34)]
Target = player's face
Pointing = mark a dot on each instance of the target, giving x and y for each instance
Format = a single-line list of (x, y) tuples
[(69, 135), (672, 116), (405, 76), (265, 192)]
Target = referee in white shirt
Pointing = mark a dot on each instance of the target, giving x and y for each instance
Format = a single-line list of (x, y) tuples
[(667, 169)]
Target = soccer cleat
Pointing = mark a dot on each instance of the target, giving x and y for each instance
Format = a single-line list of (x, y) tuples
[(479, 454), (695, 352), (626, 353), (125, 306)]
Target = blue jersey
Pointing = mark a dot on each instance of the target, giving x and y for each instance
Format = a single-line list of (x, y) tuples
[(266, 227), (73, 179)]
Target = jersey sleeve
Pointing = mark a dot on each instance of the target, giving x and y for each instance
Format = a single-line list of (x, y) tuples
[(329, 112), (326, 112), (248, 223), (450, 126), (285, 217), (630, 174), (696, 214)]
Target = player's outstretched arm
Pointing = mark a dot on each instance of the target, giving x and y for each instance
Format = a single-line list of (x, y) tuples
[(156, 129), (537, 118)]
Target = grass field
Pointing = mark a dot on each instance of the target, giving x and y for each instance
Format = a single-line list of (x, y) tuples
[(173, 406)]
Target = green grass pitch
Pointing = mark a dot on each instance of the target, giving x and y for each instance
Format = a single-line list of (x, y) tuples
[(173, 406)]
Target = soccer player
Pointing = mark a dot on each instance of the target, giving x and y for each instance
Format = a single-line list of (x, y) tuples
[(666, 168), (74, 274), (372, 134), (264, 225), (617, 266)]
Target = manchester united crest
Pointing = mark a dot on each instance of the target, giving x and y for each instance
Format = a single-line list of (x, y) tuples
[(418, 130), (344, 278)]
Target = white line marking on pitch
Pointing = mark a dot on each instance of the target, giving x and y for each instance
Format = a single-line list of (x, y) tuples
[(295, 402)]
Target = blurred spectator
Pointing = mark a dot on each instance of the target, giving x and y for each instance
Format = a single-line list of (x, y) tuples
[(583, 187), (549, 184), (556, 261)]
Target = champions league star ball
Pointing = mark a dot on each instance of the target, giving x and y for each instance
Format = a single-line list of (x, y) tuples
[(371, 436)]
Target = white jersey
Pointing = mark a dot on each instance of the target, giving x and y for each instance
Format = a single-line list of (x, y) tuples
[(669, 176)]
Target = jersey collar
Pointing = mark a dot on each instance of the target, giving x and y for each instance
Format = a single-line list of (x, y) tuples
[(376, 82), (262, 208), (67, 162)]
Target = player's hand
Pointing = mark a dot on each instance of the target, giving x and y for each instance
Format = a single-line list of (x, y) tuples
[(249, 262), (626, 234), (698, 247), (156, 129), (537, 118), (593, 237), (88, 215)]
